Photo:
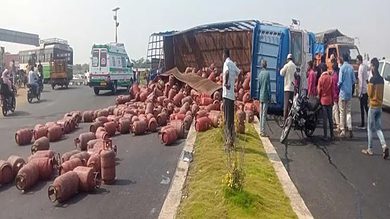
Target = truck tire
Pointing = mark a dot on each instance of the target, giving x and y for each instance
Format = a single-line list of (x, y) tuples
[(96, 90)]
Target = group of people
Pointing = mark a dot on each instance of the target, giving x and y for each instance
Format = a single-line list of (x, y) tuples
[(8, 78), (331, 85)]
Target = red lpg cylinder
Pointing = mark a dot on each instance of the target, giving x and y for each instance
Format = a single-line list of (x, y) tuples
[(6, 174), (88, 116), (108, 166), (16, 163), (55, 133), (202, 124), (23, 136), (88, 178), (27, 176), (65, 156), (64, 187), (110, 128), (94, 126), (124, 125), (45, 167), (168, 135), (70, 165), (179, 126), (40, 131), (83, 139), (94, 162), (139, 127), (40, 145)]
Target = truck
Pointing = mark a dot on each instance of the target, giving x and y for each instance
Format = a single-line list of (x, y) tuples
[(249, 41), (110, 68), (333, 42), (59, 74)]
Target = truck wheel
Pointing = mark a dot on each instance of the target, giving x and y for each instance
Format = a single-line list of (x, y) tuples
[(114, 88), (96, 90)]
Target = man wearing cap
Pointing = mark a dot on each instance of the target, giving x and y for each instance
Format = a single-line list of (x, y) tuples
[(288, 72)]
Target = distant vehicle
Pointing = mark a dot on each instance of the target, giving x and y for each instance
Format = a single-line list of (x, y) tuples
[(49, 51), (58, 74), (110, 68), (384, 70), (337, 44), (78, 79)]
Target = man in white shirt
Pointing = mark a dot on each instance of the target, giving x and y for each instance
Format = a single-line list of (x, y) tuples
[(33, 80), (230, 73), (288, 72), (363, 97)]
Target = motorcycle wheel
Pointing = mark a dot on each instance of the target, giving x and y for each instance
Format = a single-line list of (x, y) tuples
[(29, 97), (4, 108), (311, 126), (39, 96), (13, 106), (286, 129)]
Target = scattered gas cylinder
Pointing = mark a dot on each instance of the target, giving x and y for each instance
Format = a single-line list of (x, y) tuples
[(89, 180), (139, 127), (168, 135), (69, 165), (64, 187), (40, 145), (124, 125), (88, 116), (16, 163), (66, 156), (55, 133), (6, 174), (45, 167), (24, 136), (110, 128), (40, 131), (94, 126), (83, 139), (27, 176), (108, 166)]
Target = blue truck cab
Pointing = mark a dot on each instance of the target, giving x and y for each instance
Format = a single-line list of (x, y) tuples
[(249, 42)]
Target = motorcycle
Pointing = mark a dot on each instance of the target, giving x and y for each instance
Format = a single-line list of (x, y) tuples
[(31, 94), (7, 104), (303, 116)]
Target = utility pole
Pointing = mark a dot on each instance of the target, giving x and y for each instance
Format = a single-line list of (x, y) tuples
[(116, 23)]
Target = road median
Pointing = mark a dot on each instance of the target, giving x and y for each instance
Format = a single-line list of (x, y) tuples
[(206, 196)]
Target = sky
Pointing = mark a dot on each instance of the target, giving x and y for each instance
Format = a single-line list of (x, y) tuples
[(85, 22)]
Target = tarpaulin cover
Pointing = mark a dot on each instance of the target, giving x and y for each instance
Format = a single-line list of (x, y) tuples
[(319, 48), (202, 85)]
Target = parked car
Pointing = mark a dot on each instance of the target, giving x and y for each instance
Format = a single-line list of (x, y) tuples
[(78, 79), (384, 69)]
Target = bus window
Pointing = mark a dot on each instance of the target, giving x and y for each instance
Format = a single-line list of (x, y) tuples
[(296, 47), (95, 58), (123, 62), (103, 58)]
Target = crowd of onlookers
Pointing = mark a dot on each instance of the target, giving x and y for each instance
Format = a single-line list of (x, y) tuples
[(333, 85)]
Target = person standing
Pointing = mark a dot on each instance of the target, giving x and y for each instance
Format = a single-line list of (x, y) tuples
[(288, 72), (311, 80), (374, 123), (346, 80), (230, 73), (325, 93), (40, 70), (264, 89), (363, 97), (335, 108)]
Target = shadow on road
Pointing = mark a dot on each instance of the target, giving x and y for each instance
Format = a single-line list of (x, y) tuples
[(124, 182), (18, 113)]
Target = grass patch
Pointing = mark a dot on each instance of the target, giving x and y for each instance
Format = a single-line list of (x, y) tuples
[(205, 195)]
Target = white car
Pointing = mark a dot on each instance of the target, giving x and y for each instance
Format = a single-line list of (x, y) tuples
[(384, 70)]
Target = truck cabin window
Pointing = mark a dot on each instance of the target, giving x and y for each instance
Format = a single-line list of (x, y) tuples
[(351, 51), (296, 47), (95, 58), (103, 58), (386, 72)]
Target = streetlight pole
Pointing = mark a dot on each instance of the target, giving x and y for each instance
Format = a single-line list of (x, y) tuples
[(116, 23)]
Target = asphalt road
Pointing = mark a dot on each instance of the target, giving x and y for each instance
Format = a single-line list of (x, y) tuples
[(144, 171), (335, 179)]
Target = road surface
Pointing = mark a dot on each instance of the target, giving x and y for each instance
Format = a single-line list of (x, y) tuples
[(336, 180), (143, 175)]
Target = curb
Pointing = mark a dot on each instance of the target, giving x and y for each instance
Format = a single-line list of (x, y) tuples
[(297, 203), (173, 199)]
